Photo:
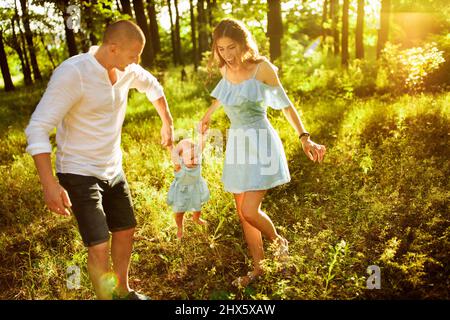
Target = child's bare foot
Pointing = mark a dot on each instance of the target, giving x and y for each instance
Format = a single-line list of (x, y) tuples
[(197, 219), (180, 234)]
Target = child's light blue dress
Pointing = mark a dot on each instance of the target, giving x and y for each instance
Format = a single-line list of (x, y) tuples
[(254, 157), (189, 190)]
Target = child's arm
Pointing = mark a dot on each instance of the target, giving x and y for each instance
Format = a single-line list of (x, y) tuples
[(175, 156)]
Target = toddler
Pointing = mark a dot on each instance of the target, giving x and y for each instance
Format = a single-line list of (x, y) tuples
[(188, 191)]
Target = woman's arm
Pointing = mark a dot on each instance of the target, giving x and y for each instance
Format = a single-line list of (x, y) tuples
[(204, 122), (268, 74)]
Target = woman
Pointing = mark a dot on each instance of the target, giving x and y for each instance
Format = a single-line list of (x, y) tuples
[(255, 160)]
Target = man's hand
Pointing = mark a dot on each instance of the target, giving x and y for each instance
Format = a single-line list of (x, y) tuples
[(166, 135), (57, 199)]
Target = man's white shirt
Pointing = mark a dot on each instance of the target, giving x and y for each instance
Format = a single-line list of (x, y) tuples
[(88, 112)]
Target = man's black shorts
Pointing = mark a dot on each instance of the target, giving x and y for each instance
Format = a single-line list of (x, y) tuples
[(100, 206)]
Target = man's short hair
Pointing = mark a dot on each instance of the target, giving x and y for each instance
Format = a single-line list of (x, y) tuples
[(123, 31)]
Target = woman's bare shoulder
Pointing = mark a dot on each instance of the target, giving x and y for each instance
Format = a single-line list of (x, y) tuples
[(268, 73)]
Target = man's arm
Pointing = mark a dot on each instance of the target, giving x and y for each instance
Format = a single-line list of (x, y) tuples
[(55, 196), (167, 127), (63, 91), (146, 83)]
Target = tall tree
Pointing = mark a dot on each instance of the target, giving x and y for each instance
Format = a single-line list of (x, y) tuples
[(344, 57), (383, 33), (334, 12), (202, 28), (324, 20), (49, 55), (70, 35), (9, 86), (148, 53), (126, 7), (88, 16), (21, 47), (172, 34), (274, 28), (16, 44), (154, 29), (359, 35), (177, 34), (29, 39), (193, 35)]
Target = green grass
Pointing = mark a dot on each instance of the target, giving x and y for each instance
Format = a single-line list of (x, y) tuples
[(380, 197)]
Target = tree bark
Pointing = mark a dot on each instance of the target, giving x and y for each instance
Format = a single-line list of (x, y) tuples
[(148, 54), (41, 36), (70, 35), (359, 34), (126, 7), (334, 8), (193, 35), (154, 30), (324, 20), (345, 57), (29, 39), (172, 34), (383, 33), (18, 47), (274, 28), (177, 34), (9, 86), (202, 28)]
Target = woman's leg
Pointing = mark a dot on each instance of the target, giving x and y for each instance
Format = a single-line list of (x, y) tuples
[(252, 213), (252, 236)]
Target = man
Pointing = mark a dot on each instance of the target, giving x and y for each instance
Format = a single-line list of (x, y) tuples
[(86, 100)]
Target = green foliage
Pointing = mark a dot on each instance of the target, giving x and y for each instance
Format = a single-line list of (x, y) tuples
[(380, 197), (407, 69)]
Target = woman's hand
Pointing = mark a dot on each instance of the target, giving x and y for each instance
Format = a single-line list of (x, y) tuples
[(313, 151), (203, 125)]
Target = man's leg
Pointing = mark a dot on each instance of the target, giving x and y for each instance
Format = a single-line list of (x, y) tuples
[(98, 268), (121, 247)]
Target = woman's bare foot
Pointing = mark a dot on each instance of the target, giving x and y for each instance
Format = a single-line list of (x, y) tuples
[(282, 249), (244, 281)]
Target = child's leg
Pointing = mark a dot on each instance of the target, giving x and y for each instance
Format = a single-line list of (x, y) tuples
[(179, 216), (196, 217)]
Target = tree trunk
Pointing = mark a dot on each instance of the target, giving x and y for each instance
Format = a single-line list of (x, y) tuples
[(359, 35), (383, 33), (18, 47), (202, 28), (172, 34), (274, 28), (344, 57), (41, 36), (126, 7), (154, 30), (29, 38), (324, 20), (9, 86), (148, 53), (334, 9), (70, 35), (177, 34), (193, 35), (90, 23)]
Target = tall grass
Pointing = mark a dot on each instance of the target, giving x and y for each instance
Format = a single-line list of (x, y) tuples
[(379, 198)]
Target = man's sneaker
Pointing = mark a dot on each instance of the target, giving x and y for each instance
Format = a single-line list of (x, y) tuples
[(132, 295)]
